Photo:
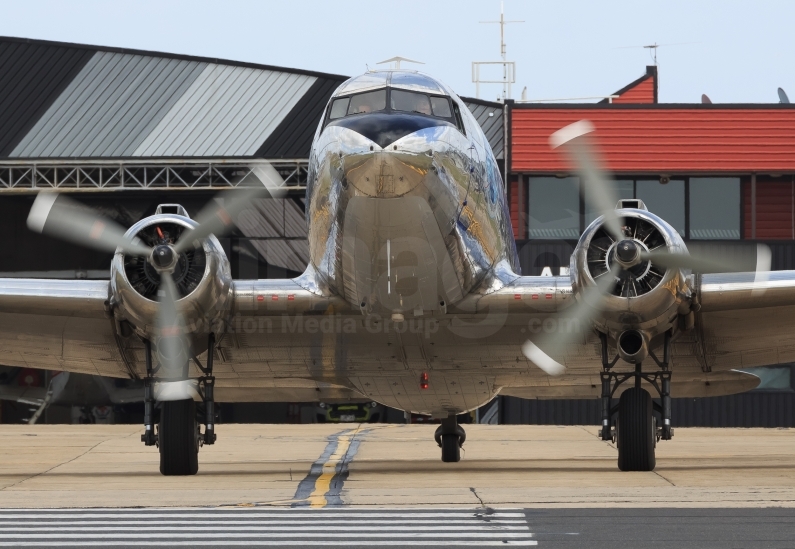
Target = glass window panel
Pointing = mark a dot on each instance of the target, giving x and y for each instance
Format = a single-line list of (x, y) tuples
[(410, 102), (621, 189), (715, 207), (339, 108), (554, 207), (368, 102), (665, 200), (441, 107)]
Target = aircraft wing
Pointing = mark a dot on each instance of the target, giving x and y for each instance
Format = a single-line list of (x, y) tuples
[(745, 320), (58, 325), (65, 324)]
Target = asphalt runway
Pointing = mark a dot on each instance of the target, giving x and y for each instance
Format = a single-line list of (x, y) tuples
[(384, 485)]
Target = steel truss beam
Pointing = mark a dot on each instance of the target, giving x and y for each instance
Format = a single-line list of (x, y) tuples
[(149, 174)]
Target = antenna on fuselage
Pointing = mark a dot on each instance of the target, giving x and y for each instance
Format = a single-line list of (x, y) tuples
[(397, 59), (508, 67)]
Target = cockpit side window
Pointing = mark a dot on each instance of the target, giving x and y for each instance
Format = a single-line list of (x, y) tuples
[(367, 102), (339, 108)]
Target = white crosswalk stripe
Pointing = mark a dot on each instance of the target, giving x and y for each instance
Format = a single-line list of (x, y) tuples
[(264, 527)]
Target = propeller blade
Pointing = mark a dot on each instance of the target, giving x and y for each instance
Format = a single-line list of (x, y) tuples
[(578, 315), (56, 215), (548, 364), (596, 188), (171, 343), (217, 218), (685, 261)]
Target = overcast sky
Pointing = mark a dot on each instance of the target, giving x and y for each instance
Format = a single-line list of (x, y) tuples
[(733, 51)]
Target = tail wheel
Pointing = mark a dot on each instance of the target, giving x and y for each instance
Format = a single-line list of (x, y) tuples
[(451, 448), (178, 438), (635, 434)]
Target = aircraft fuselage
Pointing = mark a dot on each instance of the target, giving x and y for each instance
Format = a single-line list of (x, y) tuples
[(405, 203)]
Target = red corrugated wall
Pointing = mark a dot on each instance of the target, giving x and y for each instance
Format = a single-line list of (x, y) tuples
[(663, 139), (643, 92), (513, 193), (775, 208)]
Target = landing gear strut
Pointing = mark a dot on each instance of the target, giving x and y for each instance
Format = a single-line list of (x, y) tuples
[(207, 390), (636, 431), (178, 436), (450, 436)]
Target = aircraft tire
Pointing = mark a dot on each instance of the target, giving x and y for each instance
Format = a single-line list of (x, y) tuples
[(635, 436), (451, 449), (178, 438)]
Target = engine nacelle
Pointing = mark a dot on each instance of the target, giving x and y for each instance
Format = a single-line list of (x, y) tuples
[(646, 298), (202, 277)]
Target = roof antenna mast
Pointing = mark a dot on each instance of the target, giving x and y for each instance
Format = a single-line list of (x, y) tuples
[(508, 67), (653, 51)]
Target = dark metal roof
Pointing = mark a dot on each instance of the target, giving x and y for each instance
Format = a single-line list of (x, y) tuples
[(32, 76), (297, 130), (75, 101), (489, 115), (60, 100)]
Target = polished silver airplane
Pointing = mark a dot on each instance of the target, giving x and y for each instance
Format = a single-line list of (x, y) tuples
[(412, 298)]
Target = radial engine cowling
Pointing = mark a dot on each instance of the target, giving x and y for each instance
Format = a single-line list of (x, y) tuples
[(202, 277), (645, 296)]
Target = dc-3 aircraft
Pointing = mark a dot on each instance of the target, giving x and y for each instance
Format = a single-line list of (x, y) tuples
[(412, 297)]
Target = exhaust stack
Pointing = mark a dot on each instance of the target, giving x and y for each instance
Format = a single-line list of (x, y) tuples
[(633, 346)]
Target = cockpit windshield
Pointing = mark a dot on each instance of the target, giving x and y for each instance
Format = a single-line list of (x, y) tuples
[(361, 103), (410, 102), (399, 101)]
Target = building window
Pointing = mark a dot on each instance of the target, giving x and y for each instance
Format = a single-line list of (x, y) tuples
[(715, 208), (665, 200), (622, 188), (554, 211), (698, 208)]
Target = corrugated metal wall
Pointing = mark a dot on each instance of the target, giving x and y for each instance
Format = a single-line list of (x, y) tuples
[(775, 208), (110, 107), (227, 111), (74, 101), (489, 115), (662, 138), (642, 92), (32, 76)]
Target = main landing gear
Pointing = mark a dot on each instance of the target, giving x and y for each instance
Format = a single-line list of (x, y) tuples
[(178, 433), (636, 431), (450, 436)]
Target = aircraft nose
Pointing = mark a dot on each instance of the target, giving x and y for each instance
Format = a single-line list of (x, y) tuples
[(385, 129), (386, 173)]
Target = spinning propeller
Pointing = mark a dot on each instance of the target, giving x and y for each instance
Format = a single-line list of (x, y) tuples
[(58, 216), (625, 252)]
